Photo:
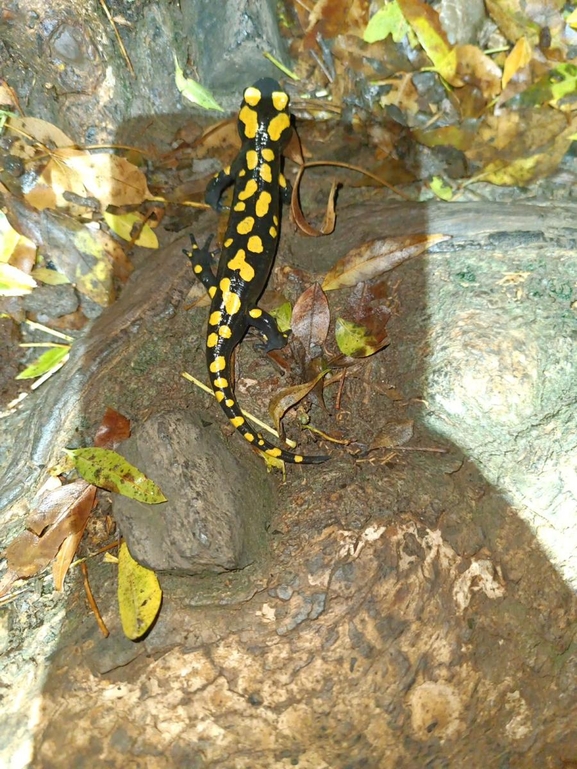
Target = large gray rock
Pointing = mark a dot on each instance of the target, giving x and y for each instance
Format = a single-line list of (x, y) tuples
[(217, 504)]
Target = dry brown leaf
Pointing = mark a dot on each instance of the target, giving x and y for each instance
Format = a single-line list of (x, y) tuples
[(113, 429), (375, 257), (311, 318), (288, 397)]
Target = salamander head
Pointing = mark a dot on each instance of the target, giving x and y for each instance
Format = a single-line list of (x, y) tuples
[(264, 115)]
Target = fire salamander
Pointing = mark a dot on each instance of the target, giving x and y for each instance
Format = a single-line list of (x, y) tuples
[(249, 247)]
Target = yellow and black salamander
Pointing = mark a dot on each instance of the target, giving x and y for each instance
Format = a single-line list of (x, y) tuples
[(249, 247)]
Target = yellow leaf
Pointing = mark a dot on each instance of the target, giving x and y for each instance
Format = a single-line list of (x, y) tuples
[(123, 225), (40, 131), (518, 58), (441, 189), (425, 23), (357, 341), (375, 257), (112, 180), (109, 470), (8, 238), (49, 277), (14, 282), (388, 20), (139, 595)]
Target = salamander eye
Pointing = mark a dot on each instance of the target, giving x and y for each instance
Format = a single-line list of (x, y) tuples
[(280, 100), (252, 96)]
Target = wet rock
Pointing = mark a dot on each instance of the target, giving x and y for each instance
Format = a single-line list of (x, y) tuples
[(217, 504), (52, 301)]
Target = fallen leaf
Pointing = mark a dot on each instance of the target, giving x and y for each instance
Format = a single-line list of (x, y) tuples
[(356, 341), (375, 257), (51, 360), (426, 24), (124, 224), (193, 91), (388, 20), (518, 58), (139, 595), (288, 397), (311, 318), (395, 434), (14, 282), (109, 470), (113, 429)]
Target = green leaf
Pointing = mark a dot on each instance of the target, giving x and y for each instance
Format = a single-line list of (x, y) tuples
[(388, 20), (108, 470), (49, 360), (139, 595), (193, 91), (356, 341), (282, 315), (558, 83), (441, 188)]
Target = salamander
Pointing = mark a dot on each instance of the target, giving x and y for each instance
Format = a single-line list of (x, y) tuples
[(248, 251)]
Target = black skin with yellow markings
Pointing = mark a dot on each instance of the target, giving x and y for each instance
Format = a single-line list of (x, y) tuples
[(248, 250)]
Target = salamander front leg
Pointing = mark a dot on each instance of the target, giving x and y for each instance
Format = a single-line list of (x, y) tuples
[(267, 325), (201, 261)]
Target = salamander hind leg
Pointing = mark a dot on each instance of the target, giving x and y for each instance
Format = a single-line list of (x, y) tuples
[(201, 260), (267, 326)]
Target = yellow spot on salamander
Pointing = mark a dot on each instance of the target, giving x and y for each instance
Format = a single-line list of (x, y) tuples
[(256, 313), (230, 299), (211, 340), (228, 242), (218, 364), (197, 268), (214, 318), (265, 172), (250, 119), (275, 220), (212, 291), (240, 206), (249, 437), (273, 232), (251, 160), (225, 332), (298, 458), (282, 180), (242, 172), (245, 226), (277, 125), (220, 383), (252, 96), (273, 452), (255, 244), (229, 402), (232, 303), (219, 395), (268, 154), (239, 263), (263, 204), (237, 421), (260, 442), (249, 190), (279, 100)]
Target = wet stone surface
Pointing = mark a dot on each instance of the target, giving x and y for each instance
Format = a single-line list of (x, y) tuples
[(217, 504)]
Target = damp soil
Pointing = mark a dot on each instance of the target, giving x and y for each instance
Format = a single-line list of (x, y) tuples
[(401, 613)]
